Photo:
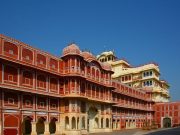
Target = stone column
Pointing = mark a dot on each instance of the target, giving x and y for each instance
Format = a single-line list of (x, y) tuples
[(86, 122), (62, 125), (99, 122), (57, 128), (104, 122), (70, 123), (33, 128), (46, 132), (76, 123), (109, 123)]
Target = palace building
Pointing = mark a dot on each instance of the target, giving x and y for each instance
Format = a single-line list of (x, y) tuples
[(146, 77), (71, 94)]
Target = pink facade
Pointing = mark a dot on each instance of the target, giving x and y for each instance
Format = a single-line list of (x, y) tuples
[(167, 114), (36, 86)]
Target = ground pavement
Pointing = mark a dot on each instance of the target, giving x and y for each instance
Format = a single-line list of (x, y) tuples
[(168, 131)]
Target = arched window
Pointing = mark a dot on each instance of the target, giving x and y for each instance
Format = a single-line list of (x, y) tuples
[(67, 122), (52, 125), (78, 123), (107, 123), (73, 123), (40, 126), (96, 123), (102, 123)]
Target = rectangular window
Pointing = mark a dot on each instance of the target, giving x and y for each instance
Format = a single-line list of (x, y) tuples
[(27, 57), (27, 102), (53, 66), (144, 83), (150, 83), (10, 78), (27, 81), (150, 73), (41, 104), (41, 84), (11, 52), (53, 106), (41, 62), (10, 101)]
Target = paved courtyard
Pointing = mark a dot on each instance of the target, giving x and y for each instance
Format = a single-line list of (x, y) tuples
[(170, 131)]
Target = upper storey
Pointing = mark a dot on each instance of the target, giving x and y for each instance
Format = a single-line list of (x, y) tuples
[(21, 53), (76, 62), (73, 61), (145, 76), (75, 73), (122, 67), (73, 49)]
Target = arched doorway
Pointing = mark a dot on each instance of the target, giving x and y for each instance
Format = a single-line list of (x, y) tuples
[(26, 125), (107, 123), (67, 122), (92, 113), (40, 126), (73, 123), (96, 123), (52, 125), (167, 122), (102, 123), (78, 123)]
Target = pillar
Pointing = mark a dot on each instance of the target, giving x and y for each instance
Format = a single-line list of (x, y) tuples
[(33, 128), (99, 122), (46, 132), (86, 122), (76, 123), (110, 123), (104, 122), (57, 128), (70, 122)]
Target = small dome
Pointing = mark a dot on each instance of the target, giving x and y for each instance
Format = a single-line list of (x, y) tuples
[(71, 49), (88, 55)]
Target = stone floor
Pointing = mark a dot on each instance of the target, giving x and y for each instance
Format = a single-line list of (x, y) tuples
[(168, 131)]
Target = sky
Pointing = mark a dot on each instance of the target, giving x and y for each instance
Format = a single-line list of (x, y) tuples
[(140, 31)]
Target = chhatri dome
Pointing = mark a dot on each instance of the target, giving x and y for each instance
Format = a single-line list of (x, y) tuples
[(71, 49)]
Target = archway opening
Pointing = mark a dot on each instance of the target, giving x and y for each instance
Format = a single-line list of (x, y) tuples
[(73, 123), (52, 125), (40, 125), (107, 123), (167, 122), (78, 123), (67, 122), (96, 123), (92, 113), (26, 125), (101, 122)]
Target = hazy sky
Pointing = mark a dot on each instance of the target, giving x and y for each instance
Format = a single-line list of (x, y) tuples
[(141, 31)]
